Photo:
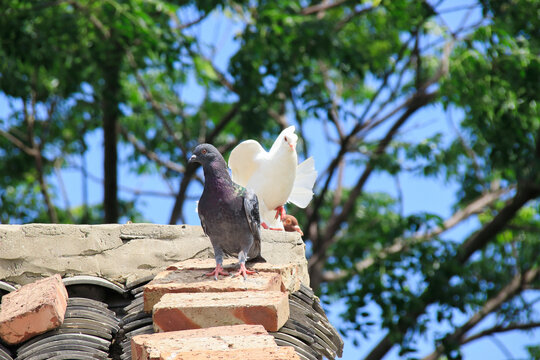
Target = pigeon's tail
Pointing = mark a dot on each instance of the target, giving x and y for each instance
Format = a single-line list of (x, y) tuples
[(256, 259), (302, 191)]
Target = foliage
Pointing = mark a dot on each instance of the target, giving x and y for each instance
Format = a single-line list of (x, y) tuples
[(358, 71)]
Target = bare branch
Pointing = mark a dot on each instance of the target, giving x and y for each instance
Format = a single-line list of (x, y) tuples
[(191, 169), (226, 119), (401, 245), (457, 8), (153, 103), (323, 6), (38, 158), (341, 23), (93, 19), (411, 105), (191, 23), (61, 184), (149, 153), (135, 191), (18, 143), (501, 328), (470, 152), (479, 240), (506, 293), (333, 111), (482, 237), (502, 347), (334, 223), (279, 117), (46, 4), (313, 210), (221, 77)]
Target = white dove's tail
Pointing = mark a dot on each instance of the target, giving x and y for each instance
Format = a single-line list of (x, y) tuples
[(302, 191)]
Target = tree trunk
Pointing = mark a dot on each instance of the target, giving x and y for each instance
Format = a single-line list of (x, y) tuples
[(111, 114)]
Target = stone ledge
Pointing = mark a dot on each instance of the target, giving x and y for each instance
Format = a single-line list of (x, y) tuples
[(119, 253)]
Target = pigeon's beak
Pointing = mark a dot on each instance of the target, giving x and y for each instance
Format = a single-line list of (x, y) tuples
[(193, 159), (297, 228)]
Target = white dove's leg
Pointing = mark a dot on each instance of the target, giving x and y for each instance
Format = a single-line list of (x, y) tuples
[(280, 212), (267, 217), (218, 255)]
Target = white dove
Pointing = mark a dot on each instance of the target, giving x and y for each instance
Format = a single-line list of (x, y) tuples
[(275, 176)]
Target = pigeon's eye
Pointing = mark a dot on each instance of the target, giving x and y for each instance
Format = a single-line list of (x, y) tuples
[(204, 151), (288, 221)]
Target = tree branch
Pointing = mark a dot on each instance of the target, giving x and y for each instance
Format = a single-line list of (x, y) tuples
[(500, 329), (419, 99), (482, 237), (316, 262), (323, 6), (506, 293), (341, 23), (191, 169), (221, 77), (93, 19), (63, 191), (470, 246), (400, 244), (18, 143), (149, 153), (38, 158), (153, 103), (312, 211), (135, 191)]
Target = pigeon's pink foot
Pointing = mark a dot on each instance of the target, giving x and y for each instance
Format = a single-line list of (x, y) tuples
[(280, 212), (217, 271), (244, 272)]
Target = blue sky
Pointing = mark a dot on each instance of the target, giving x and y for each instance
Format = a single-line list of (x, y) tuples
[(420, 194)]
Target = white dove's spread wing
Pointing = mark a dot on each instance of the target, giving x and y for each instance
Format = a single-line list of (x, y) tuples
[(244, 161), (302, 191)]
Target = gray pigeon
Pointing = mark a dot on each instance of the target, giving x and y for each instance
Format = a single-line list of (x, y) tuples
[(229, 213)]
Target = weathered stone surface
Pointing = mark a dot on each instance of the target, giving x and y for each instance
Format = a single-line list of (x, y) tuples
[(119, 253), (193, 281), (292, 274), (203, 310), (218, 338), (269, 353), (33, 309)]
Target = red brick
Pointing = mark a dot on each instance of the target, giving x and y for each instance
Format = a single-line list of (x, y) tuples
[(269, 353), (194, 281), (202, 310), (151, 346), (291, 274), (33, 309)]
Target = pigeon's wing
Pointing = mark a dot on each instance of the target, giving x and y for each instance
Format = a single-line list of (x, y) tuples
[(203, 223), (245, 160), (251, 208), (302, 191)]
